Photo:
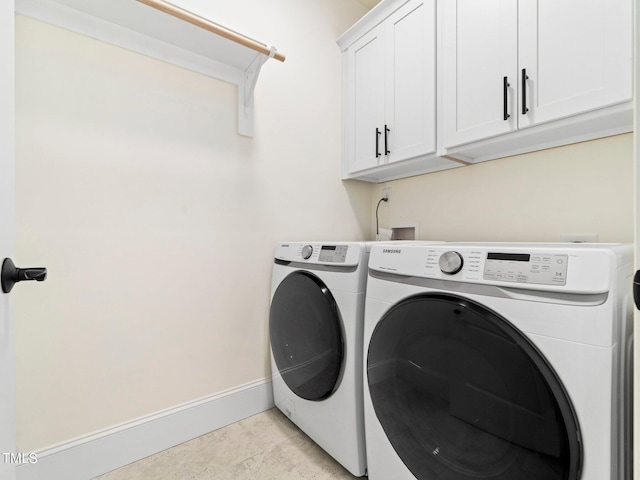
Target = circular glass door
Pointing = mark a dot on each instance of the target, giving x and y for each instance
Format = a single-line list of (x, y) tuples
[(306, 337), (461, 394)]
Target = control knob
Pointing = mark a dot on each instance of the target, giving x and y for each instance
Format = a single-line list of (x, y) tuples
[(450, 262), (307, 250)]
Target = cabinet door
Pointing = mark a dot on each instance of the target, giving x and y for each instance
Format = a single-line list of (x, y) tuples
[(577, 55), (365, 102), (479, 53), (410, 111)]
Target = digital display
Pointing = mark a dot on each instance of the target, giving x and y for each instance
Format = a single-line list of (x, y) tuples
[(510, 257), (333, 253), (537, 268)]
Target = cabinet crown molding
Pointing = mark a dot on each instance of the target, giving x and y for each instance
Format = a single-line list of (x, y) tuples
[(373, 18)]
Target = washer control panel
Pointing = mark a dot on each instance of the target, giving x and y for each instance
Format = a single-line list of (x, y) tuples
[(333, 253), (560, 267), (541, 269)]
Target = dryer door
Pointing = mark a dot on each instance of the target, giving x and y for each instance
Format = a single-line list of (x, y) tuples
[(306, 336), (461, 394)]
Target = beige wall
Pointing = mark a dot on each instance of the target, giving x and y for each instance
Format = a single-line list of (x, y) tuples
[(157, 221), (581, 188)]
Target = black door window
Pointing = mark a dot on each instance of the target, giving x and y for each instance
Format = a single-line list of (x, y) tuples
[(461, 394), (306, 336)]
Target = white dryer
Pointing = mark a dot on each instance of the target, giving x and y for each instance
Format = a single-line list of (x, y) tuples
[(316, 332), (498, 361)]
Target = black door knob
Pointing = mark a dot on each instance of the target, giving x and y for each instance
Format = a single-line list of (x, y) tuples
[(11, 275)]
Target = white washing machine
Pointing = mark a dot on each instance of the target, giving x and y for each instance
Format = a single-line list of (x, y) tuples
[(315, 329), (498, 361)]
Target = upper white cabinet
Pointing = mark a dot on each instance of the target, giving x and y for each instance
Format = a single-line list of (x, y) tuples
[(574, 56), (480, 62), (559, 68), (365, 101), (389, 85), (410, 74)]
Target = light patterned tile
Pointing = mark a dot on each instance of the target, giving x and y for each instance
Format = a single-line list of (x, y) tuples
[(267, 446), (297, 458)]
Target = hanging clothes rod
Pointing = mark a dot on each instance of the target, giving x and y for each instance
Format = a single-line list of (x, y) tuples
[(213, 27)]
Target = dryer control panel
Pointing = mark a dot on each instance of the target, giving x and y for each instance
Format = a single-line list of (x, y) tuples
[(541, 269), (338, 254)]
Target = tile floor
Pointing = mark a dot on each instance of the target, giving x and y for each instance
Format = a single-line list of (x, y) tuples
[(267, 446)]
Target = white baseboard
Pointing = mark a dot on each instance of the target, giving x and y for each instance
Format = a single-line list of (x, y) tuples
[(87, 457)]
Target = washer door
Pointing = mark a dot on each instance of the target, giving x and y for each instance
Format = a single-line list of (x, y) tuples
[(306, 336), (462, 394)]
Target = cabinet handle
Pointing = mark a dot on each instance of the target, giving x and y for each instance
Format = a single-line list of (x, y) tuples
[(524, 91), (386, 140), (378, 133), (505, 94)]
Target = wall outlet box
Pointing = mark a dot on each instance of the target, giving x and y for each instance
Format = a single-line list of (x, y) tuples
[(407, 231), (386, 193), (580, 237), (403, 233)]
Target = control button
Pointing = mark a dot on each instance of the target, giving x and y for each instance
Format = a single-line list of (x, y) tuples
[(450, 262), (307, 251)]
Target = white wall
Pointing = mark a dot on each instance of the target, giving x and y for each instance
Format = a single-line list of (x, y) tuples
[(581, 188), (157, 221)]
